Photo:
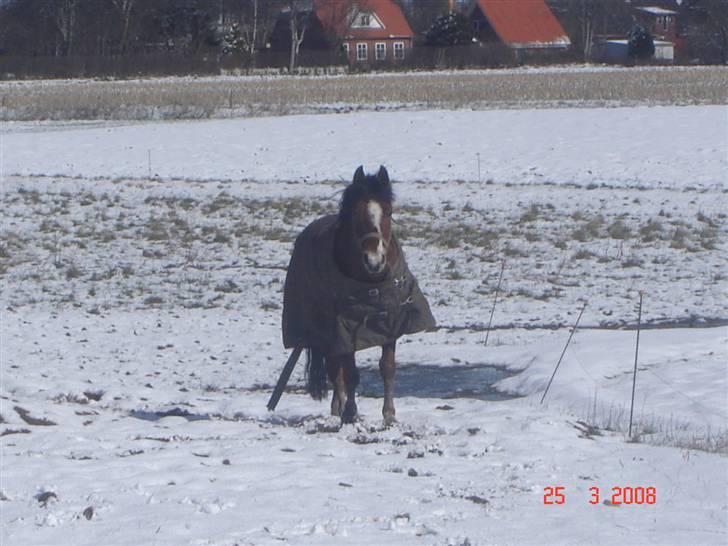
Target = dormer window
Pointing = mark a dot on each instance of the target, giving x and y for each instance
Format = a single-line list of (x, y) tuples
[(368, 20)]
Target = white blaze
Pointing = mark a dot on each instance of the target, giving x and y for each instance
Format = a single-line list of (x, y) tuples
[(375, 214)]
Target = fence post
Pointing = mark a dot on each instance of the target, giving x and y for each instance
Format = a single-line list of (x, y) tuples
[(495, 299), (636, 353), (576, 324)]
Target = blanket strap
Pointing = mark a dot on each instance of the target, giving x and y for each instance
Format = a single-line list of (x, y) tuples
[(283, 379)]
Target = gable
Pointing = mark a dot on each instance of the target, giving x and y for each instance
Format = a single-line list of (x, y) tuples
[(343, 18), (366, 20)]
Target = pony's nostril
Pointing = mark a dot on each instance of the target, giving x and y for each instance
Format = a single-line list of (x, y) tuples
[(374, 263)]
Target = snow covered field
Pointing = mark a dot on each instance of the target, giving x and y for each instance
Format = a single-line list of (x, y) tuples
[(255, 95), (141, 330)]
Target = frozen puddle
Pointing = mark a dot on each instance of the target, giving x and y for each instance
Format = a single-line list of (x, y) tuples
[(427, 381), (417, 380), (174, 412)]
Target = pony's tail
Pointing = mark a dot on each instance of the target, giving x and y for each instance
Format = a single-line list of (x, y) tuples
[(316, 381)]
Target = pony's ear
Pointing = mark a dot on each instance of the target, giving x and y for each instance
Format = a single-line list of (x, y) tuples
[(359, 176), (383, 175)]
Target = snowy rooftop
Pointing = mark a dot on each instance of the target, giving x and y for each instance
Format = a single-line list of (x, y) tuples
[(656, 42), (654, 10)]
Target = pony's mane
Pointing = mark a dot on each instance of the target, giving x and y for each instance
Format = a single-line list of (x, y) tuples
[(371, 187)]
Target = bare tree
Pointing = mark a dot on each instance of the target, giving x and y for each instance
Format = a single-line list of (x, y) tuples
[(65, 19), (583, 20), (588, 14), (124, 8), (242, 24), (717, 11), (253, 33), (298, 23), (249, 24), (268, 12)]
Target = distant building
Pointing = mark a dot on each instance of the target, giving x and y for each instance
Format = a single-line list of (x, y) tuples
[(616, 51), (370, 32), (660, 22), (521, 25)]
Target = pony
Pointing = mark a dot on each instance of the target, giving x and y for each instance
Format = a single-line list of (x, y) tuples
[(348, 288)]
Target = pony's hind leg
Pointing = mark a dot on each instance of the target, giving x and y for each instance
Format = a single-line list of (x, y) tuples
[(386, 369), (336, 375)]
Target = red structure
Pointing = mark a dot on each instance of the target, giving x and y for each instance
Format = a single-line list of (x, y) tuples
[(520, 24), (661, 22), (371, 31)]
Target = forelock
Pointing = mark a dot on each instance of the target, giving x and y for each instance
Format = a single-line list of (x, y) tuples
[(370, 188)]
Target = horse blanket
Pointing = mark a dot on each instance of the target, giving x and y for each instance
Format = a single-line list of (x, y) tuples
[(323, 308)]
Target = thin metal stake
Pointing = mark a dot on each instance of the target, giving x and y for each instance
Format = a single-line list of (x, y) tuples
[(636, 352), (478, 156), (149, 162), (495, 299), (576, 324)]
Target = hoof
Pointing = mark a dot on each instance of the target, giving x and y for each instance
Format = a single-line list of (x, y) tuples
[(348, 417), (389, 420)]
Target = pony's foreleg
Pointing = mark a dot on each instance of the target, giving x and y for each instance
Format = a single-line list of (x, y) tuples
[(351, 380), (387, 369), (336, 375)]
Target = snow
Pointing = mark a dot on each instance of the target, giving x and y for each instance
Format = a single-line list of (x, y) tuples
[(272, 74), (241, 475), (655, 10), (562, 41), (626, 146), (140, 331)]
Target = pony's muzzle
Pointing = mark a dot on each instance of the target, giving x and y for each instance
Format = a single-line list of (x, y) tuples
[(374, 252), (375, 262)]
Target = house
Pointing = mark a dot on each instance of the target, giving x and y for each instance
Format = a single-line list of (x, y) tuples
[(660, 22), (369, 31), (523, 25), (663, 25), (366, 32)]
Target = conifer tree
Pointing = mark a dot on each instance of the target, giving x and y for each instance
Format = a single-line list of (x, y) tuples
[(640, 43), (450, 29)]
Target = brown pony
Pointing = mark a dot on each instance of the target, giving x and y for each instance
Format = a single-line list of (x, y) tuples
[(348, 288), (363, 250)]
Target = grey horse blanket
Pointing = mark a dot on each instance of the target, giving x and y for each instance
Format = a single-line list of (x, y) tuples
[(322, 308)]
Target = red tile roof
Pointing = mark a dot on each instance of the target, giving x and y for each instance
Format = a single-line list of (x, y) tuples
[(334, 15), (524, 23)]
